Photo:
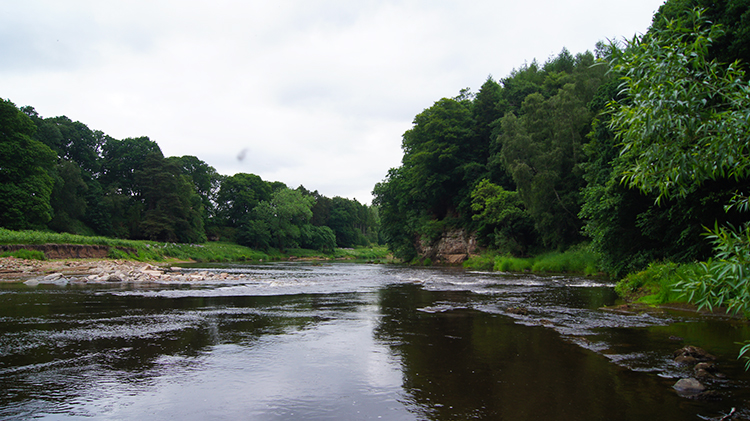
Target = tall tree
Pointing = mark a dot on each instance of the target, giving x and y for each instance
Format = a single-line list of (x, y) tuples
[(25, 167), (172, 210), (282, 217), (205, 179), (68, 198), (685, 125), (542, 151), (240, 194), (122, 159)]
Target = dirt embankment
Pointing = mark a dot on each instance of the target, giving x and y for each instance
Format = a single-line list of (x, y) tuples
[(66, 251)]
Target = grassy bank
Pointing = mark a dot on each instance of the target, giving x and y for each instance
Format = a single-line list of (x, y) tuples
[(656, 284), (206, 252), (577, 260)]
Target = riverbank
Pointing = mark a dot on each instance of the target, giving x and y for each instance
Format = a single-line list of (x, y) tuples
[(62, 245), (63, 271)]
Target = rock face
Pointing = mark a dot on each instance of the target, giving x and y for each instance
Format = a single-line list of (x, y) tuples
[(453, 247), (66, 251)]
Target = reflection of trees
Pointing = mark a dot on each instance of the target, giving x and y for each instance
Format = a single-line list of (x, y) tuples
[(463, 364)]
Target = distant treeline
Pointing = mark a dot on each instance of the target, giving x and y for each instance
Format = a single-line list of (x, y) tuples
[(534, 162), (57, 174)]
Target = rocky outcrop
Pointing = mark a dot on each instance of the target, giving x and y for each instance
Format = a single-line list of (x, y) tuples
[(63, 272), (453, 247), (67, 251)]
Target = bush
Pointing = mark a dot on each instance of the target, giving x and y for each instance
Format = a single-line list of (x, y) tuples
[(575, 261), (656, 284), (512, 264), (483, 262), (25, 254)]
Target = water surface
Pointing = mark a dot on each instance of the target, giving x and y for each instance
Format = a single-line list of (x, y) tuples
[(352, 341)]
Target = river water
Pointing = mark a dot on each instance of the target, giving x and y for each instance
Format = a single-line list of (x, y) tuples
[(346, 341)]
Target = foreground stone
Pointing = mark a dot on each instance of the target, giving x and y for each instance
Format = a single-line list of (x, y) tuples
[(691, 355), (34, 272), (689, 386)]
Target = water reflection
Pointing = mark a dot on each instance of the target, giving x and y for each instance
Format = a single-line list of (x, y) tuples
[(348, 342)]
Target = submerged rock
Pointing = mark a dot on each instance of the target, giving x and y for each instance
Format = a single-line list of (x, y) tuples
[(690, 355), (689, 386)]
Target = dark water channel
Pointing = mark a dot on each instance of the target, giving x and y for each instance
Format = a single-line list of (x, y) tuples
[(353, 341)]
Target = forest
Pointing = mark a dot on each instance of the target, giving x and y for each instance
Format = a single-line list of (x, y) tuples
[(56, 174), (638, 151)]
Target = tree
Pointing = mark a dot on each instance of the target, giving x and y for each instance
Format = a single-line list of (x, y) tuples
[(733, 16), (121, 159), (172, 207), (282, 217), (238, 195), (68, 198), (437, 157), (25, 167), (204, 178), (317, 238), (684, 124), (542, 151), (503, 222)]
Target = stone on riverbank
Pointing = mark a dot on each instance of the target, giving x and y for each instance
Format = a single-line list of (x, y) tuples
[(35, 272)]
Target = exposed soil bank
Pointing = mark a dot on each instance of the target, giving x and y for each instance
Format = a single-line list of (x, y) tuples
[(67, 251)]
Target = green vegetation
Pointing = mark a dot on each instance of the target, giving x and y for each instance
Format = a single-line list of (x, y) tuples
[(578, 260), (158, 251), (655, 284), (635, 149), (58, 175), (24, 254)]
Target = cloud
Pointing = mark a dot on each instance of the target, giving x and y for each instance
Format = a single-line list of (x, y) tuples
[(319, 92)]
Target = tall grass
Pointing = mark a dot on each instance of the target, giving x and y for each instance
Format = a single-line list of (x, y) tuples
[(207, 252), (43, 237), (577, 260), (655, 284), (484, 262)]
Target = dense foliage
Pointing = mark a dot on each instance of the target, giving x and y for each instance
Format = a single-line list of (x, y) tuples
[(523, 135), (635, 149), (56, 174)]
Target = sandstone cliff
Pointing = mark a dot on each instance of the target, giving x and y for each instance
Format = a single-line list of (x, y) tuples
[(453, 247)]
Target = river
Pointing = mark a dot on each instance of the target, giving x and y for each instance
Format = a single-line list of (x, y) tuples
[(347, 341)]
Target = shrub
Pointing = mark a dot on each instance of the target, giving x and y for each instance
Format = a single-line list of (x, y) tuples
[(25, 254)]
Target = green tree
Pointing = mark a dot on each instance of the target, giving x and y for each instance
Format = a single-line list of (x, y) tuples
[(206, 181), (122, 159), (240, 194), (733, 16), (684, 124), (68, 198), (25, 167), (437, 157), (172, 207), (283, 217), (503, 222), (317, 238), (542, 151)]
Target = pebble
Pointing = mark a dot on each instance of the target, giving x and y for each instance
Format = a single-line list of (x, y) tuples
[(61, 272)]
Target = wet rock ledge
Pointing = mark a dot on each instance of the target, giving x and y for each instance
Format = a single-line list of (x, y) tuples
[(34, 272)]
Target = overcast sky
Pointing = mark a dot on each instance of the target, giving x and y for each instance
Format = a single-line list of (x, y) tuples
[(312, 92)]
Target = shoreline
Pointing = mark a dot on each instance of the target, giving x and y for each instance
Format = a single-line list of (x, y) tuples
[(33, 272)]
